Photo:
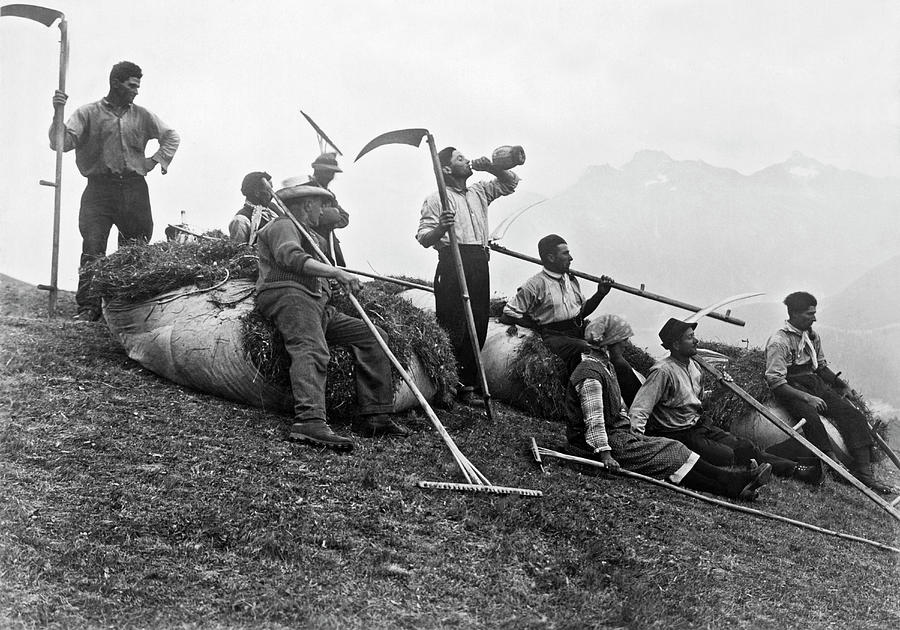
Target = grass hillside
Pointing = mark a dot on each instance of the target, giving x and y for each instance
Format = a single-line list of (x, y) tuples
[(129, 502)]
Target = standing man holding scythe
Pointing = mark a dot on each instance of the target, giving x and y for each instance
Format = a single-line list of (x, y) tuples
[(467, 215), (109, 137)]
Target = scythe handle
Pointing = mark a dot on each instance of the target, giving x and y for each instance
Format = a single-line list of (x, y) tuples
[(59, 120), (781, 424), (624, 287), (461, 278)]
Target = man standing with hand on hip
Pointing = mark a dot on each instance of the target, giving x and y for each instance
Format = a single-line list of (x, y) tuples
[(109, 137)]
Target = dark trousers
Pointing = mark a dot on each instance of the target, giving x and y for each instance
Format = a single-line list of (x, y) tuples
[(721, 448), (568, 344), (850, 422), (105, 202), (309, 325), (449, 307)]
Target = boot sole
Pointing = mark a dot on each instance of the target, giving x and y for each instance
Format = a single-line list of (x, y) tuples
[(302, 438)]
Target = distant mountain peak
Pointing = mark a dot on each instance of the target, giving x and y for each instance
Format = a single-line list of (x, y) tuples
[(648, 160)]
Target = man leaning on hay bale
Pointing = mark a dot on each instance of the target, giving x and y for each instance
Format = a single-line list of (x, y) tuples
[(668, 405), (294, 291)]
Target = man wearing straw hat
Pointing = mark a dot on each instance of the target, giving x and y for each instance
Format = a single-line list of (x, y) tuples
[(294, 291), (668, 404), (598, 426), (334, 217), (468, 217)]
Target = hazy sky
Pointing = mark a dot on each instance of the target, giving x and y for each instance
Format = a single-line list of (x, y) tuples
[(735, 84)]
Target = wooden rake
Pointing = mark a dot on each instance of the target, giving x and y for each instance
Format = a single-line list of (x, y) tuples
[(538, 451), (476, 481)]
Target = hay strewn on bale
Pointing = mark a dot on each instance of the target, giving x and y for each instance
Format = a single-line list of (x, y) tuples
[(541, 375), (138, 272), (748, 368), (409, 331)]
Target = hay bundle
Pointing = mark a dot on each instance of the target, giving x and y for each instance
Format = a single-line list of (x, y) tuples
[(748, 368), (138, 272), (541, 376), (410, 331)]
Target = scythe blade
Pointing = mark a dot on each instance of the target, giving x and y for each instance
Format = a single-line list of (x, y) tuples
[(32, 12), (321, 133), (411, 137)]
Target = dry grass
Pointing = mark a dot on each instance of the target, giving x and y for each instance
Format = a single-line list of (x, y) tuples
[(129, 502)]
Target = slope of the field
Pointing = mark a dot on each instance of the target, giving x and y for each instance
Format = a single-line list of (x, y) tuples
[(127, 501)]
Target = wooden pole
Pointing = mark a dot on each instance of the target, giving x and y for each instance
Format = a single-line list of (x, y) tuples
[(461, 277), (59, 122), (624, 287), (725, 504), (781, 424)]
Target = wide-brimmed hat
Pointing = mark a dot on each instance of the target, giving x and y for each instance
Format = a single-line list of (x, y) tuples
[(673, 329), (292, 188), (327, 162)]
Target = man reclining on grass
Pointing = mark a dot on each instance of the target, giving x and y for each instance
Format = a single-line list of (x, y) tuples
[(293, 290), (599, 426), (668, 405)]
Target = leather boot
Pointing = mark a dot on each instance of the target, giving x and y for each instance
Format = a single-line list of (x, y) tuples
[(318, 432), (379, 424), (757, 477), (862, 470)]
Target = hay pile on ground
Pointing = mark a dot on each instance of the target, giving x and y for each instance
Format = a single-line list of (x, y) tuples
[(138, 272)]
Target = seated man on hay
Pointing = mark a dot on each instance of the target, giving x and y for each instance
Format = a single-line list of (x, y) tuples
[(599, 426), (294, 291), (551, 302), (801, 380), (256, 213), (668, 404)]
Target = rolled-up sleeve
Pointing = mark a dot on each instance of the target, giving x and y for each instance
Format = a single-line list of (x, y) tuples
[(777, 358), (168, 140), (75, 129), (522, 302), (496, 187), (650, 393), (430, 217)]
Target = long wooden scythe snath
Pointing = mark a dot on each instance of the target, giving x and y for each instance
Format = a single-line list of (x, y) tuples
[(781, 424), (47, 17), (477, 482), (414, 137), (624, 287), (538, 451)]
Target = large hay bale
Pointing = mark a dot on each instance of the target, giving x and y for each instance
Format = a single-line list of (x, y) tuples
[(213, 340)]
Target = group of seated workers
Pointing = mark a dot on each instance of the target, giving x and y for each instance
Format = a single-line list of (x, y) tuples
[(660, 428), (657, 427)]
